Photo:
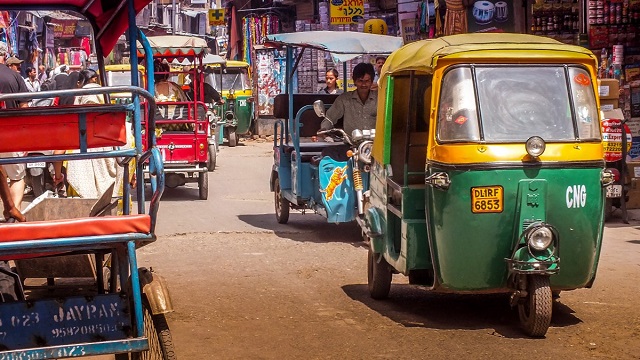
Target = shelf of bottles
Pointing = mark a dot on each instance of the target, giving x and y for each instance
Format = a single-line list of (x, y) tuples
[(613, 22), (555, 18)]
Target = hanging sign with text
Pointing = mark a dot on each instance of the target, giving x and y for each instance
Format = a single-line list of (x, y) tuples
[(344, 12)]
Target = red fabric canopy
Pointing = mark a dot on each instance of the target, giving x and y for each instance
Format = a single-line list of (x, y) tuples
[(99, 12)]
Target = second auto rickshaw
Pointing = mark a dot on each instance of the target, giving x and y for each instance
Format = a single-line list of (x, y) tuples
[(236, 89), (487, 171)]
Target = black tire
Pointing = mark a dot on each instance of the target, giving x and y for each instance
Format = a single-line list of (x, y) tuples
[(203, 185), (233, 138), (535, 311), (211, 162), (379, 276), (37, 184), (282, 205), (160, 341)]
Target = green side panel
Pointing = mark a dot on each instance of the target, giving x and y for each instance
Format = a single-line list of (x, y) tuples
[(413, 202), (415, 245), (470, 248), (244, 114)]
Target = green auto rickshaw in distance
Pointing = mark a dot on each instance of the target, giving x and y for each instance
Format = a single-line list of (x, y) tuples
[(488, 172), (233, 81)]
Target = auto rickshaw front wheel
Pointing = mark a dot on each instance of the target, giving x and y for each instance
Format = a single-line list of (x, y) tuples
[(282, 205), (535, 309), (203, 185), (378, 275), (233, 138)]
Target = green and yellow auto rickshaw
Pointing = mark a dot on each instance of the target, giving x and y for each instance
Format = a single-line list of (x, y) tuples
[(487, 173), (237, 92)]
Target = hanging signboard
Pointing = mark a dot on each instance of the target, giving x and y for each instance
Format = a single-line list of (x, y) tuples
[(345, 12), (64, 28), (612, 139), (216, 17)]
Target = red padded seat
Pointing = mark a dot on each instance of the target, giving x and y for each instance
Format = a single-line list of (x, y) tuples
[(89, 226)]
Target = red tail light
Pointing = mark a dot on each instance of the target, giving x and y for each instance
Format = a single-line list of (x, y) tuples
[(615, 172)]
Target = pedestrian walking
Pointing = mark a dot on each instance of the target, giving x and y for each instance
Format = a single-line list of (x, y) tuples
[(32, 82)]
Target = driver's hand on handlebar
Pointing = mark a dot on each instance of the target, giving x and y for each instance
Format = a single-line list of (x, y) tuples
[(328, 139)]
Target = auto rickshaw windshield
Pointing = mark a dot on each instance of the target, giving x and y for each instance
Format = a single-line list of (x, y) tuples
[(120, 78), (238, 79), (517, 102)]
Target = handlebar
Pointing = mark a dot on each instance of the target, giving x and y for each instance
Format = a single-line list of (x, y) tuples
[(344, 135)]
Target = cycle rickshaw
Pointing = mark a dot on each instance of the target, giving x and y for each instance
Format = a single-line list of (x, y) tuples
[(121, 309)]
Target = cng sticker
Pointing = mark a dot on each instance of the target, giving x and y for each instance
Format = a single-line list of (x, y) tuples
[(576, 196)]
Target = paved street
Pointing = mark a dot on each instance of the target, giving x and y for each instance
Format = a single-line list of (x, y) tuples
[(245, 287)]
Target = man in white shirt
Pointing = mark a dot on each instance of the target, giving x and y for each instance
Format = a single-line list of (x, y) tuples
[(33, 84)]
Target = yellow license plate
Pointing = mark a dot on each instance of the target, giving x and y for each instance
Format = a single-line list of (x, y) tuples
[(487, 199)]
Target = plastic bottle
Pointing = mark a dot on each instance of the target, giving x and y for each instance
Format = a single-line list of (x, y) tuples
[(603, 64)]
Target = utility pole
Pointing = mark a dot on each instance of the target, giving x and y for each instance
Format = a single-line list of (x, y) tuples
[(173, 17)]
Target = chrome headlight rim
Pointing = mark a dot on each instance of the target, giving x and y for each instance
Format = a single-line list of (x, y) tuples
[(541, 228), (540, 239), (364, 151), (535, 146)]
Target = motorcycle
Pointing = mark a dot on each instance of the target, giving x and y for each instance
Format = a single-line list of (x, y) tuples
[(39, 175)]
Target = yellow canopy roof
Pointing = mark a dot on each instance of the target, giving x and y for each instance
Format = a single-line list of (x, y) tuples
[(423, 55)]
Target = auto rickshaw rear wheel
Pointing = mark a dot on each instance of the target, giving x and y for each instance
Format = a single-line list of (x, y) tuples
[(378, 275), (535, 310), (203, 185), (282, 205), (211, 162)]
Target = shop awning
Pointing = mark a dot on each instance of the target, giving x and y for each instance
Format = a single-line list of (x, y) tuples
[(193, 13), (109, 16), (343, 45), (176, 45)]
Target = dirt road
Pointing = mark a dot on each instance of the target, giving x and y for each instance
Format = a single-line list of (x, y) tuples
[(245, 287)]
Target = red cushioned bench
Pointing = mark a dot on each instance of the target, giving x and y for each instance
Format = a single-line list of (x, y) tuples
[(34, 129), (62, 128), (68, 228)]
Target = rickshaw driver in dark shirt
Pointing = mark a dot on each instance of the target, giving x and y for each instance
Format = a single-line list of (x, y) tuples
[(358, 107)]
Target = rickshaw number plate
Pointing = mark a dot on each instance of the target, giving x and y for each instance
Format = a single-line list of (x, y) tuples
[(36, 165), (614, 191), (64, 321), (487, 199)]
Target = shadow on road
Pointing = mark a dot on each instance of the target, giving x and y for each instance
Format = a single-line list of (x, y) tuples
[(308, 228), (412, 306), (180, 193)]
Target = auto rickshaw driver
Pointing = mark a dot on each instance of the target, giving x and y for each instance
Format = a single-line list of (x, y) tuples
[(358, 108)]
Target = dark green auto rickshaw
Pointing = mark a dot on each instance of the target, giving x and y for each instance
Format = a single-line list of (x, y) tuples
[(488, 172)]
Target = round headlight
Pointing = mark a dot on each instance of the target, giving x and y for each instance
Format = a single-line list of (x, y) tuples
[(540, 239), (535, 146), (364, 152)]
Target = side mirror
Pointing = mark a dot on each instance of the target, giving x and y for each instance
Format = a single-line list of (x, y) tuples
[(318, 107)]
